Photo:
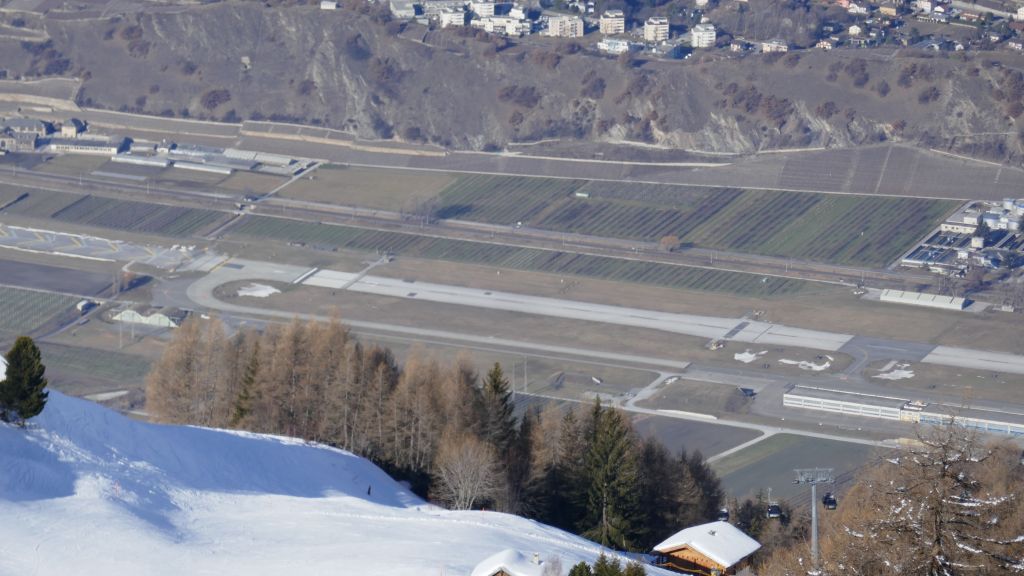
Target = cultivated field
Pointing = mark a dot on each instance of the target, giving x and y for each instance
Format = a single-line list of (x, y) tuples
[(770, 464), (22, 311), (138, 216), (394, 190), (251, 183), (844, 229), (73, 164), (332, 237), (115, 214)]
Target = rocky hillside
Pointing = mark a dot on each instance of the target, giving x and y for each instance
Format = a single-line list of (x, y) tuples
[(355, 70)]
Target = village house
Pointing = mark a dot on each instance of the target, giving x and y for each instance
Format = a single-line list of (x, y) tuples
[(774, 45), (712, 548)]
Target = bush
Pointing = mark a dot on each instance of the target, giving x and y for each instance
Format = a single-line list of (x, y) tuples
[(928, 95), (214, 98), (523, 96)]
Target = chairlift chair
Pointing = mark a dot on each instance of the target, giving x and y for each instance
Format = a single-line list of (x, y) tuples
[(723, 515)]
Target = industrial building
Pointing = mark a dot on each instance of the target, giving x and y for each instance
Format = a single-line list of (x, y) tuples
[(923, 299), (902, 410), (615, 46)]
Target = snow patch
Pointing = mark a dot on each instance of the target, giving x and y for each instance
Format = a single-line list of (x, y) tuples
[(747, 356), (807, 365), (895, 372), (258, 290), (81, 485)]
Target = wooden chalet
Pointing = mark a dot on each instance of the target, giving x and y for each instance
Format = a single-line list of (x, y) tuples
[(712, 549)]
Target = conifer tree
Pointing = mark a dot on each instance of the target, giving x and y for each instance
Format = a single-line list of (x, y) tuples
[(499, 421), (612, 476), (23, 390), (581, 569), (243, 403)]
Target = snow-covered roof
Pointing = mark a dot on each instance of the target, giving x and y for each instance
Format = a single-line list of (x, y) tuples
[(3, 368), (512, 562), (719, 541)]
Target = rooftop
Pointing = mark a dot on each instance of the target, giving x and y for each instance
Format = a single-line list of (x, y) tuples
[(511, 562), (720, 541)]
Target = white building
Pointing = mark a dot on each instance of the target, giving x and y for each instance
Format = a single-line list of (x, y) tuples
[(612, 22), (565, 26), (924, 6), (854, 30), (504, 25), (1020, 13), (164, 319), (656, 29), (703, 35), (923, 299), (614, 46), (452, 18), (482, 9), (775, 45), (328, 5)]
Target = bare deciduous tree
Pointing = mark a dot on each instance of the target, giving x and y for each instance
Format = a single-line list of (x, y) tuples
[(465, 472)]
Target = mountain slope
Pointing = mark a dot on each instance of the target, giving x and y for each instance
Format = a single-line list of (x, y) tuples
[(86, 490)]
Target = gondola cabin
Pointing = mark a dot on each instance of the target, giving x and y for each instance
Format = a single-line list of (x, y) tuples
[(723, 515), (774, 511), (829, 501), (712, 549)]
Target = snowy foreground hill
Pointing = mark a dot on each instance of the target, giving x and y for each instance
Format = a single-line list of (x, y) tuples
[(85, 490)]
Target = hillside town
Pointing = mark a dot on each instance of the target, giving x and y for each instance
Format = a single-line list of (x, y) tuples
[(938, 25)]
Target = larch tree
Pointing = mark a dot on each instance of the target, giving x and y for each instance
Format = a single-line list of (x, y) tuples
[(23, 389), (172, 383)]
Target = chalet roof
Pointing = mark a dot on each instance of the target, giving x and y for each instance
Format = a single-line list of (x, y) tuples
[(720, 541), (513, 562)]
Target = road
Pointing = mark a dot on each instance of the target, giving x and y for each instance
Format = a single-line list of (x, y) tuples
[(912, 172)]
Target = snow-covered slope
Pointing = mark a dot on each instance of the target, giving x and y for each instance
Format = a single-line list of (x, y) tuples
[(85, 490)]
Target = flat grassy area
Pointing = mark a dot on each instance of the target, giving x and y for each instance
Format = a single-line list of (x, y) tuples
[(251, 183), (770, 464), (73, 164), (844, 229), (22, 311), (41, 203), (699, 397), (677, 434), (394, 190), (334, 237)]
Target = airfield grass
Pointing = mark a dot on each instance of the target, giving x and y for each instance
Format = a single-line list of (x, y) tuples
[(962, 385), (251, 183), (393, 190), (334, 237), (699, 397), (770, 464), (73, 164), (116, 367)]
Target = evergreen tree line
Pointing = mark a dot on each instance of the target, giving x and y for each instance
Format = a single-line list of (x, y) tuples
[(454, 436), (606, 566)]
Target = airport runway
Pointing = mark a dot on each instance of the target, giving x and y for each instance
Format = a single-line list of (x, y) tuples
[(710, 327)]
